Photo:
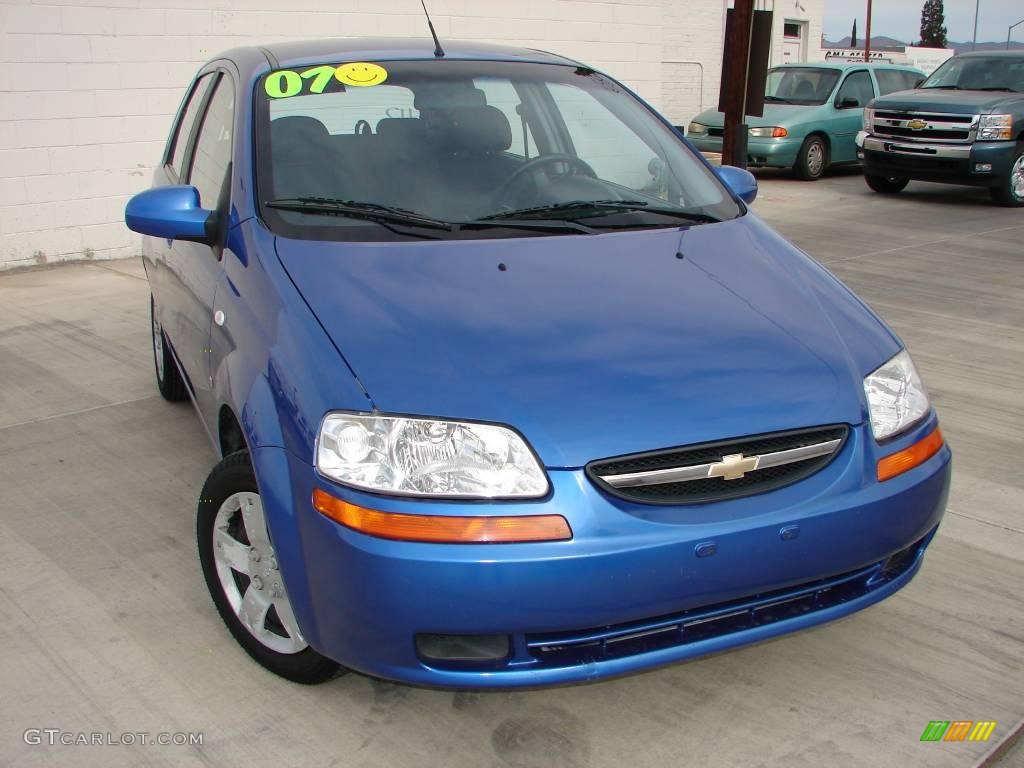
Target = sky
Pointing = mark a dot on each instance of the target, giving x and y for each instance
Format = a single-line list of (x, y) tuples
[(902, 19)]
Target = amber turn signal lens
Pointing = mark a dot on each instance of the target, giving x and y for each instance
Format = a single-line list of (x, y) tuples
[(449, 529), (908, 458), (779, 133)]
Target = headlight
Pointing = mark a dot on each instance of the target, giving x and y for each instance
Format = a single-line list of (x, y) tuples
[(869, 119), (896, 397), (427, 457), (770, 132), (992, 127), (696, 129)]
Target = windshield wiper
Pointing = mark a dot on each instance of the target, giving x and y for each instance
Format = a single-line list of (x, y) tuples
[(996, 88), (590, 208), (358, 210), (549, 225), (776, 98), (942, 87)]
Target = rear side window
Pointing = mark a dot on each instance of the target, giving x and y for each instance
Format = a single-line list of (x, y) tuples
[(892, 80), (188, 119), (213, 146)]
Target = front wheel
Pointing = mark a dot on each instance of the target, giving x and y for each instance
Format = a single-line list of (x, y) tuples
[(887, 185), (812, 160), (241, 571), (1010, 191)]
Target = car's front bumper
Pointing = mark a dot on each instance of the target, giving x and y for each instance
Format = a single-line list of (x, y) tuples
[(981, 163), (761, 152), (628, 592)]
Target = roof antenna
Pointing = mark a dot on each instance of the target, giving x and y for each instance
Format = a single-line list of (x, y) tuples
[(438, 50)]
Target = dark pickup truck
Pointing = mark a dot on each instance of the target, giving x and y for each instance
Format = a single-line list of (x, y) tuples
[(963, 125)]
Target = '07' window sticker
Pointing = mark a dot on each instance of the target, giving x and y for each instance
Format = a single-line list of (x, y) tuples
[(288, 82)]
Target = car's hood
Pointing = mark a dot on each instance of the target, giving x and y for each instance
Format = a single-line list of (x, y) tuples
[(952, 102), (774, 114), (595, 346)]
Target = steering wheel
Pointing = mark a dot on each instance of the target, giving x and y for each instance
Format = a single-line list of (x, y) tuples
[(535, 165), (363, 128)]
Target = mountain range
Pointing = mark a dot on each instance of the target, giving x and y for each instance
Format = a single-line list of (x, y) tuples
[(881, 42)]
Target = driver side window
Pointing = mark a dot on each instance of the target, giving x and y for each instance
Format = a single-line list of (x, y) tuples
[(856, 86), (602, 140)]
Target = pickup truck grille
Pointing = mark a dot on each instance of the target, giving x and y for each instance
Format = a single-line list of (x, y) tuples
[(925, 126)]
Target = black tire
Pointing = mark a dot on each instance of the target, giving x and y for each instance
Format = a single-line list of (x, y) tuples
[(231, 476), (812, 160), (887, 185), (1010, 191), (168, 377)]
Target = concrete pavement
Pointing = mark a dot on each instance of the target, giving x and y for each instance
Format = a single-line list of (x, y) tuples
[(109, 627)]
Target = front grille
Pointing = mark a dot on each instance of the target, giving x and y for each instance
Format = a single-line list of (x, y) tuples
[(691, 474), (925, 126), (586, 646), (925, 133), (716, 132)]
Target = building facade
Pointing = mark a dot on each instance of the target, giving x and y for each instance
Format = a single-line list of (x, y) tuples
[(88, 88)]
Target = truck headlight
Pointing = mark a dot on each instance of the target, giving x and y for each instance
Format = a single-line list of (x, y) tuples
[(409, 456), (896, 396), (869, 120), (696, 129), (770, 132), (995, 127)]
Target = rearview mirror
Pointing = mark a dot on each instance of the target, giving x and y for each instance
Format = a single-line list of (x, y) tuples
[(849, 102), (172, 212), (742, 183)]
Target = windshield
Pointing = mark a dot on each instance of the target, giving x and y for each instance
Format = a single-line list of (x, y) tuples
[(390, 150), (979, 73), (800, 85)]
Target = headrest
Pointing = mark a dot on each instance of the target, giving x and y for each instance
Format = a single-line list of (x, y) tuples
[(297, 129), (399, 128), (448, 96), (476, 129)]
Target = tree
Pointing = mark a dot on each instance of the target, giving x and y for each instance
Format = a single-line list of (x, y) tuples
[(933, 29), (853, 35)]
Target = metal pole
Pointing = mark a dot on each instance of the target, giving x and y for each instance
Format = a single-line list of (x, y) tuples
[(974, 42), (867, 35), (1010, 29)]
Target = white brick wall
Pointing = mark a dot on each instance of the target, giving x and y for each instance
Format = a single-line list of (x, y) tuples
[(88, 88)]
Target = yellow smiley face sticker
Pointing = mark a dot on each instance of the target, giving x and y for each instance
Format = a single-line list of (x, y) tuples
[(361, 73)]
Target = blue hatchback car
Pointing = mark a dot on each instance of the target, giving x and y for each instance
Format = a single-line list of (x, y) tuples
[(510, 386)]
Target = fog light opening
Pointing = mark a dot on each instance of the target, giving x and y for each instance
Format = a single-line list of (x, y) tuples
[(983, 167), (463, 648)]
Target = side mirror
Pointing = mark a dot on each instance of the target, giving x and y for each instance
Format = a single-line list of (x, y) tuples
[(849, 102), (171, 212), (741, 182)]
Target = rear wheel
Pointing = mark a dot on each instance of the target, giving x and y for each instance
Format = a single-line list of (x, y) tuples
[(241, 571), (1010, 191), (168, 377), (887, 185), (812, 159)]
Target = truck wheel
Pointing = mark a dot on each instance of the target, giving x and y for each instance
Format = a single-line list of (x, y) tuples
[(887, 185), (241, 571), (168, 377), (812, 159), (1010, 191)]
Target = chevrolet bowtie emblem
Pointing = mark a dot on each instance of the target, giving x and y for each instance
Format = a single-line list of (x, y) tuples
[(733, 467), (916, 125)]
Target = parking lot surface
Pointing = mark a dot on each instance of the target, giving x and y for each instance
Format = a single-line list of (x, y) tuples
[(109, 628)]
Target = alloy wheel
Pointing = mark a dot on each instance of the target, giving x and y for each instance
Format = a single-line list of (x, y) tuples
[(249, 575)]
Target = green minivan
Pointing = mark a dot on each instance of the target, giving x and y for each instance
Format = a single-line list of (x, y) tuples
[(812, 113)]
